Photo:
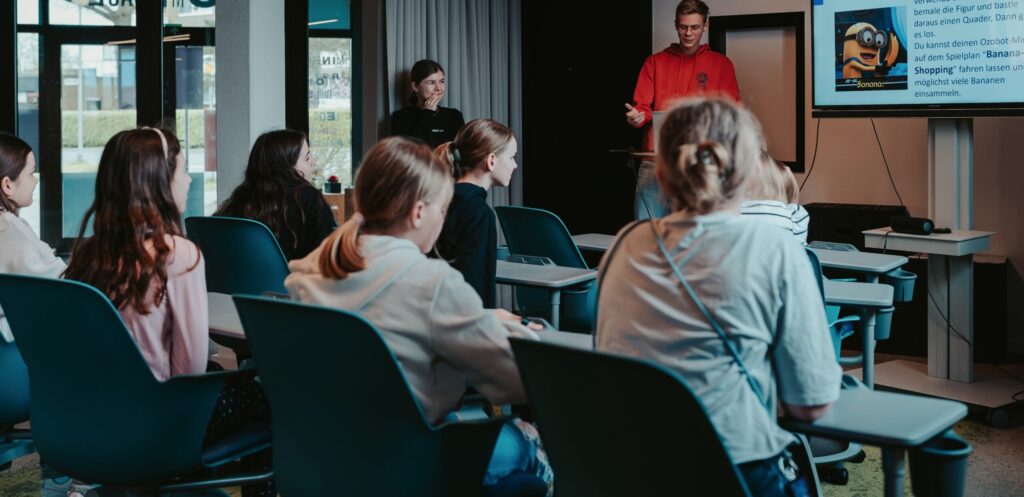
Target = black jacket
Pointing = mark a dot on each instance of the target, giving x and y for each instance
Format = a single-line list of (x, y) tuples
[(434, 127), (469, 239)]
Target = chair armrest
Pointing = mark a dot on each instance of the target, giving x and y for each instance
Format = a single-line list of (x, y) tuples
[(846, 319)]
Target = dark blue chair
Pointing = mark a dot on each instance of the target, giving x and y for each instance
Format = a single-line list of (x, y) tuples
[(345, 421), (14, 443), (631, 427), (242, 255), (537, 232), (98, 413)]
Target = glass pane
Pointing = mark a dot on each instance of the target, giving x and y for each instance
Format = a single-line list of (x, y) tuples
[(329, 14), (195, 72), (28, 11), (190, 13), (28, 110), (97, 100), (93, 12), (330, 108)]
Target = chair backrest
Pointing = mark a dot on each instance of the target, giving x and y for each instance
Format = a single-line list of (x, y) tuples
[(242, 255), (13, 385), (816, 268), (98, 413), (630, 428), (530, 231), (345, 420)]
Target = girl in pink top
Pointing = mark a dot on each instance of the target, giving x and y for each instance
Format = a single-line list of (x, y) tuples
[(154, 276)]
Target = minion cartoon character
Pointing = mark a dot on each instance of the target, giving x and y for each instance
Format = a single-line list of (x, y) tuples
[(862, 51)]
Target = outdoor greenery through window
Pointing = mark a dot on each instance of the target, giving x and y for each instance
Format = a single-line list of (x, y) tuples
[(330, 107)]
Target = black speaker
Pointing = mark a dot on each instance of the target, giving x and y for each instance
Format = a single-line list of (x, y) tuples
[(912, 225), (843, 223)]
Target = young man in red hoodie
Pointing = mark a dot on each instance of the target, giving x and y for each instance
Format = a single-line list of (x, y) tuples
[(687, 68)]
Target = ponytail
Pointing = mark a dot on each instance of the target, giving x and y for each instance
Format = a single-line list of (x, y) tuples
[(448, 154), (340, 255), (708, 149), (394, 175)]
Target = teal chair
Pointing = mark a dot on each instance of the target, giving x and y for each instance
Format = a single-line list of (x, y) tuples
[(631, 427), (540, 233), (14, 443), (242, 255), (98, 413), (345, 421)]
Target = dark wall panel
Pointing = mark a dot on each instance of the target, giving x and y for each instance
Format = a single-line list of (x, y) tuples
[(580, 63)]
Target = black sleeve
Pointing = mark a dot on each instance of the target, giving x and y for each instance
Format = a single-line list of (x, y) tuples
[(319, 220), (468, 251)]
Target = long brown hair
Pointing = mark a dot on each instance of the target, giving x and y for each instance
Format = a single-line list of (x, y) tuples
[(707, 149), (272, 185), (133, 204), (477, 140), (13, 159), (395, 174)]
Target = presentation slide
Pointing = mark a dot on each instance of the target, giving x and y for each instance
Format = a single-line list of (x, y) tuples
[(918, 52)]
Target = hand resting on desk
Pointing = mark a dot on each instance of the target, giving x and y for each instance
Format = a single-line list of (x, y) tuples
[(508, 316)]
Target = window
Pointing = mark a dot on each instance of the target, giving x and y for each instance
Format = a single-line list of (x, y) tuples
[(330, 107), (330, 89), (190, 13), (28, 110), (92, 12), (83, 76)]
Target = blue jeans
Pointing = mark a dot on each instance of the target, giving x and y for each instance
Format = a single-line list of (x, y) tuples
[(765, 478), (514, 451), (649, 203)]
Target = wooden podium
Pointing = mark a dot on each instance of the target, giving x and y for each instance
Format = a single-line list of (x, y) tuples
[(341, 205)]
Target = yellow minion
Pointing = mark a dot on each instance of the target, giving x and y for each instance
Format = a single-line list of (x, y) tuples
[(862, 50)]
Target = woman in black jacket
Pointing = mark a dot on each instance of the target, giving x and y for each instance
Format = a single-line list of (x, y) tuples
[(424, 118), (277, 192)]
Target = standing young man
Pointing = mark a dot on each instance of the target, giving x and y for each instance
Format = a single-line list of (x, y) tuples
[(687, 68)]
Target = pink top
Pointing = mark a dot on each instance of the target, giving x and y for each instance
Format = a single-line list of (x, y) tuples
[(174, 336)]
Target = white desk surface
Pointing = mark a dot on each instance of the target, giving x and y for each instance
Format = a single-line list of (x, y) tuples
[(958, 243), (593, 241), (223, 316), (224, 321), (883, 419), (865, 262), (953, 237), (553, 277), (857, 294)]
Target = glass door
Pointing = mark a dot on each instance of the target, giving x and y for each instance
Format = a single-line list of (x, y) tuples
[(97, 99)]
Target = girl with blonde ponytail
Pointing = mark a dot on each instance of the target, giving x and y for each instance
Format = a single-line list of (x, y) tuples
[(728, 302), (431, 319), (482, 155)]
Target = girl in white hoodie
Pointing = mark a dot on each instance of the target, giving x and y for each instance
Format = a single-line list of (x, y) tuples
[(430, 318), (21, 250)]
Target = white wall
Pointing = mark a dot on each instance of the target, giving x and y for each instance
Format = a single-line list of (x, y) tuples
[(849, 167)]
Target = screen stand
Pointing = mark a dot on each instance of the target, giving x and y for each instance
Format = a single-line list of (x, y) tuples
[(951, 279), (950, 292)]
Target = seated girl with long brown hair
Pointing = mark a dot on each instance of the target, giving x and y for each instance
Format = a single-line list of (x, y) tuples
[(277, 192), (154, 276)]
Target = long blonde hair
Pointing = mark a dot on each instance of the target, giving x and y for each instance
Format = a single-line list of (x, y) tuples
[(394, 175), (707, 150), (472, 145), (774, 181)]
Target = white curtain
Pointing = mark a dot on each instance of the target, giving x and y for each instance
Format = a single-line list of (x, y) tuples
[(478, 42)]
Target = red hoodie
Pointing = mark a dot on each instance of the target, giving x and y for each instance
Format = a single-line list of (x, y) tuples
[(671, 74)]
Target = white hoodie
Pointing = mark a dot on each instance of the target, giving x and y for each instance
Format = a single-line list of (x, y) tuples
[(22, 252), (431, 319)]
